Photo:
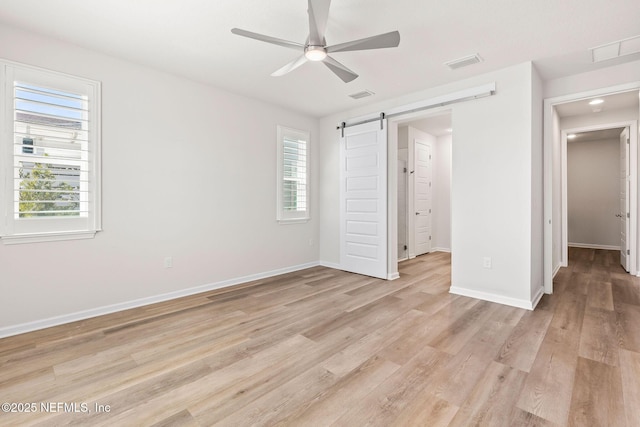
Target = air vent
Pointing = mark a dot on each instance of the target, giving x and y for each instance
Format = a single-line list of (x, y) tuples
[(362, 94), (614, 50), (463, 62)]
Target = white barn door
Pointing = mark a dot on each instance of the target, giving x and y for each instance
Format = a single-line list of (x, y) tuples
[(363, 199)]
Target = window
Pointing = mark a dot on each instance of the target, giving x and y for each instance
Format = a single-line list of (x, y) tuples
[(50, 147), (293, 175)]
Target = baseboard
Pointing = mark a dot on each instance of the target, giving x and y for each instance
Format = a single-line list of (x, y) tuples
[(556, 269), (448, 250), (500, 299), (335, 266), (108, 309), (329, 264), (593, 246), (537, 297)]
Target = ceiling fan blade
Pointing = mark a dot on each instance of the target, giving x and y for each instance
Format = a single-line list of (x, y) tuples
[(268, 39), (380, 41), (290, 66), (340, 70), (318, 15)]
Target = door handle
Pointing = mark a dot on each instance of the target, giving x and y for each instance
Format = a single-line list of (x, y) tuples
[(618, 215), (417, 213)]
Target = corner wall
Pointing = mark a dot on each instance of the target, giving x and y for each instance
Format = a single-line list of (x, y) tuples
[(189, 171)]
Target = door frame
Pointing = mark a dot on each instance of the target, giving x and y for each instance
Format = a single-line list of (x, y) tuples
[(392, 156), (633, 188), (550, 176)]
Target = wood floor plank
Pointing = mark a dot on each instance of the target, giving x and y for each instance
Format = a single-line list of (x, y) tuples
[(630, 373), (597, 396), (464, 328), (284, 400), (371, 344), (549, 386), (598, 340), (492, 401), (624, 289), (520, 349), (241, 393), (181, 419), (627, 322), (456, 380), (526, 419), (384, 403), (425, 409), (569, 312), (325, 409), (600, 295)]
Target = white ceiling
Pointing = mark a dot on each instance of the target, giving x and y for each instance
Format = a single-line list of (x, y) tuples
[(192, 38)]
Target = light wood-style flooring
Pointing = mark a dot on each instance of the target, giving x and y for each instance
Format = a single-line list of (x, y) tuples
[(322, 347)]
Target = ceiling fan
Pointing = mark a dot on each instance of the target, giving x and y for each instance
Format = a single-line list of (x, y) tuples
[(316, 49)]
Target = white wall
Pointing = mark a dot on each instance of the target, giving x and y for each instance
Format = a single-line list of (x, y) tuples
[(491, 198), (189, 171), (556, 211), (593, 188), (442, 194), (537, 184)]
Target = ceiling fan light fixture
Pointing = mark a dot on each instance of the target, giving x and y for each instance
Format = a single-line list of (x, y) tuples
[(315, 53)]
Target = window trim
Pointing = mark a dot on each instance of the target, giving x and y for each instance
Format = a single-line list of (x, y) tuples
[(57, 228), (282, 216)]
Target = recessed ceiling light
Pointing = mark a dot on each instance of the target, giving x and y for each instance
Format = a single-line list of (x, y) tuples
[(571, 135), (596, 102)]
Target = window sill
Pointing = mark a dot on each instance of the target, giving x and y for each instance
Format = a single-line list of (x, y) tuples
[(47, 237), (293, 221)]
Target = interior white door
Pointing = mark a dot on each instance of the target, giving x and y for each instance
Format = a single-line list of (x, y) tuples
[(422, 197), (363, 199), (624, 198)]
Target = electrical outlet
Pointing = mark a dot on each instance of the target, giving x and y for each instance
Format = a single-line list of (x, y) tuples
[(168, 262), (486, 262)]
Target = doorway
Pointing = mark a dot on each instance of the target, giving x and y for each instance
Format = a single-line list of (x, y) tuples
[(424, 185), (601, 109), (597, 190)]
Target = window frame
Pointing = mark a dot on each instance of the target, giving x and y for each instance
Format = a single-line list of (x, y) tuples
[(15, 230), (283, 216)]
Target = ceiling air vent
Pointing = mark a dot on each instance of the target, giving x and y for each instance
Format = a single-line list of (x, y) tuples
[(615, 49), (464, 61), (362, 94)]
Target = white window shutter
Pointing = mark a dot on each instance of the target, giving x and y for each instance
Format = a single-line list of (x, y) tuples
[(293, 175)]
